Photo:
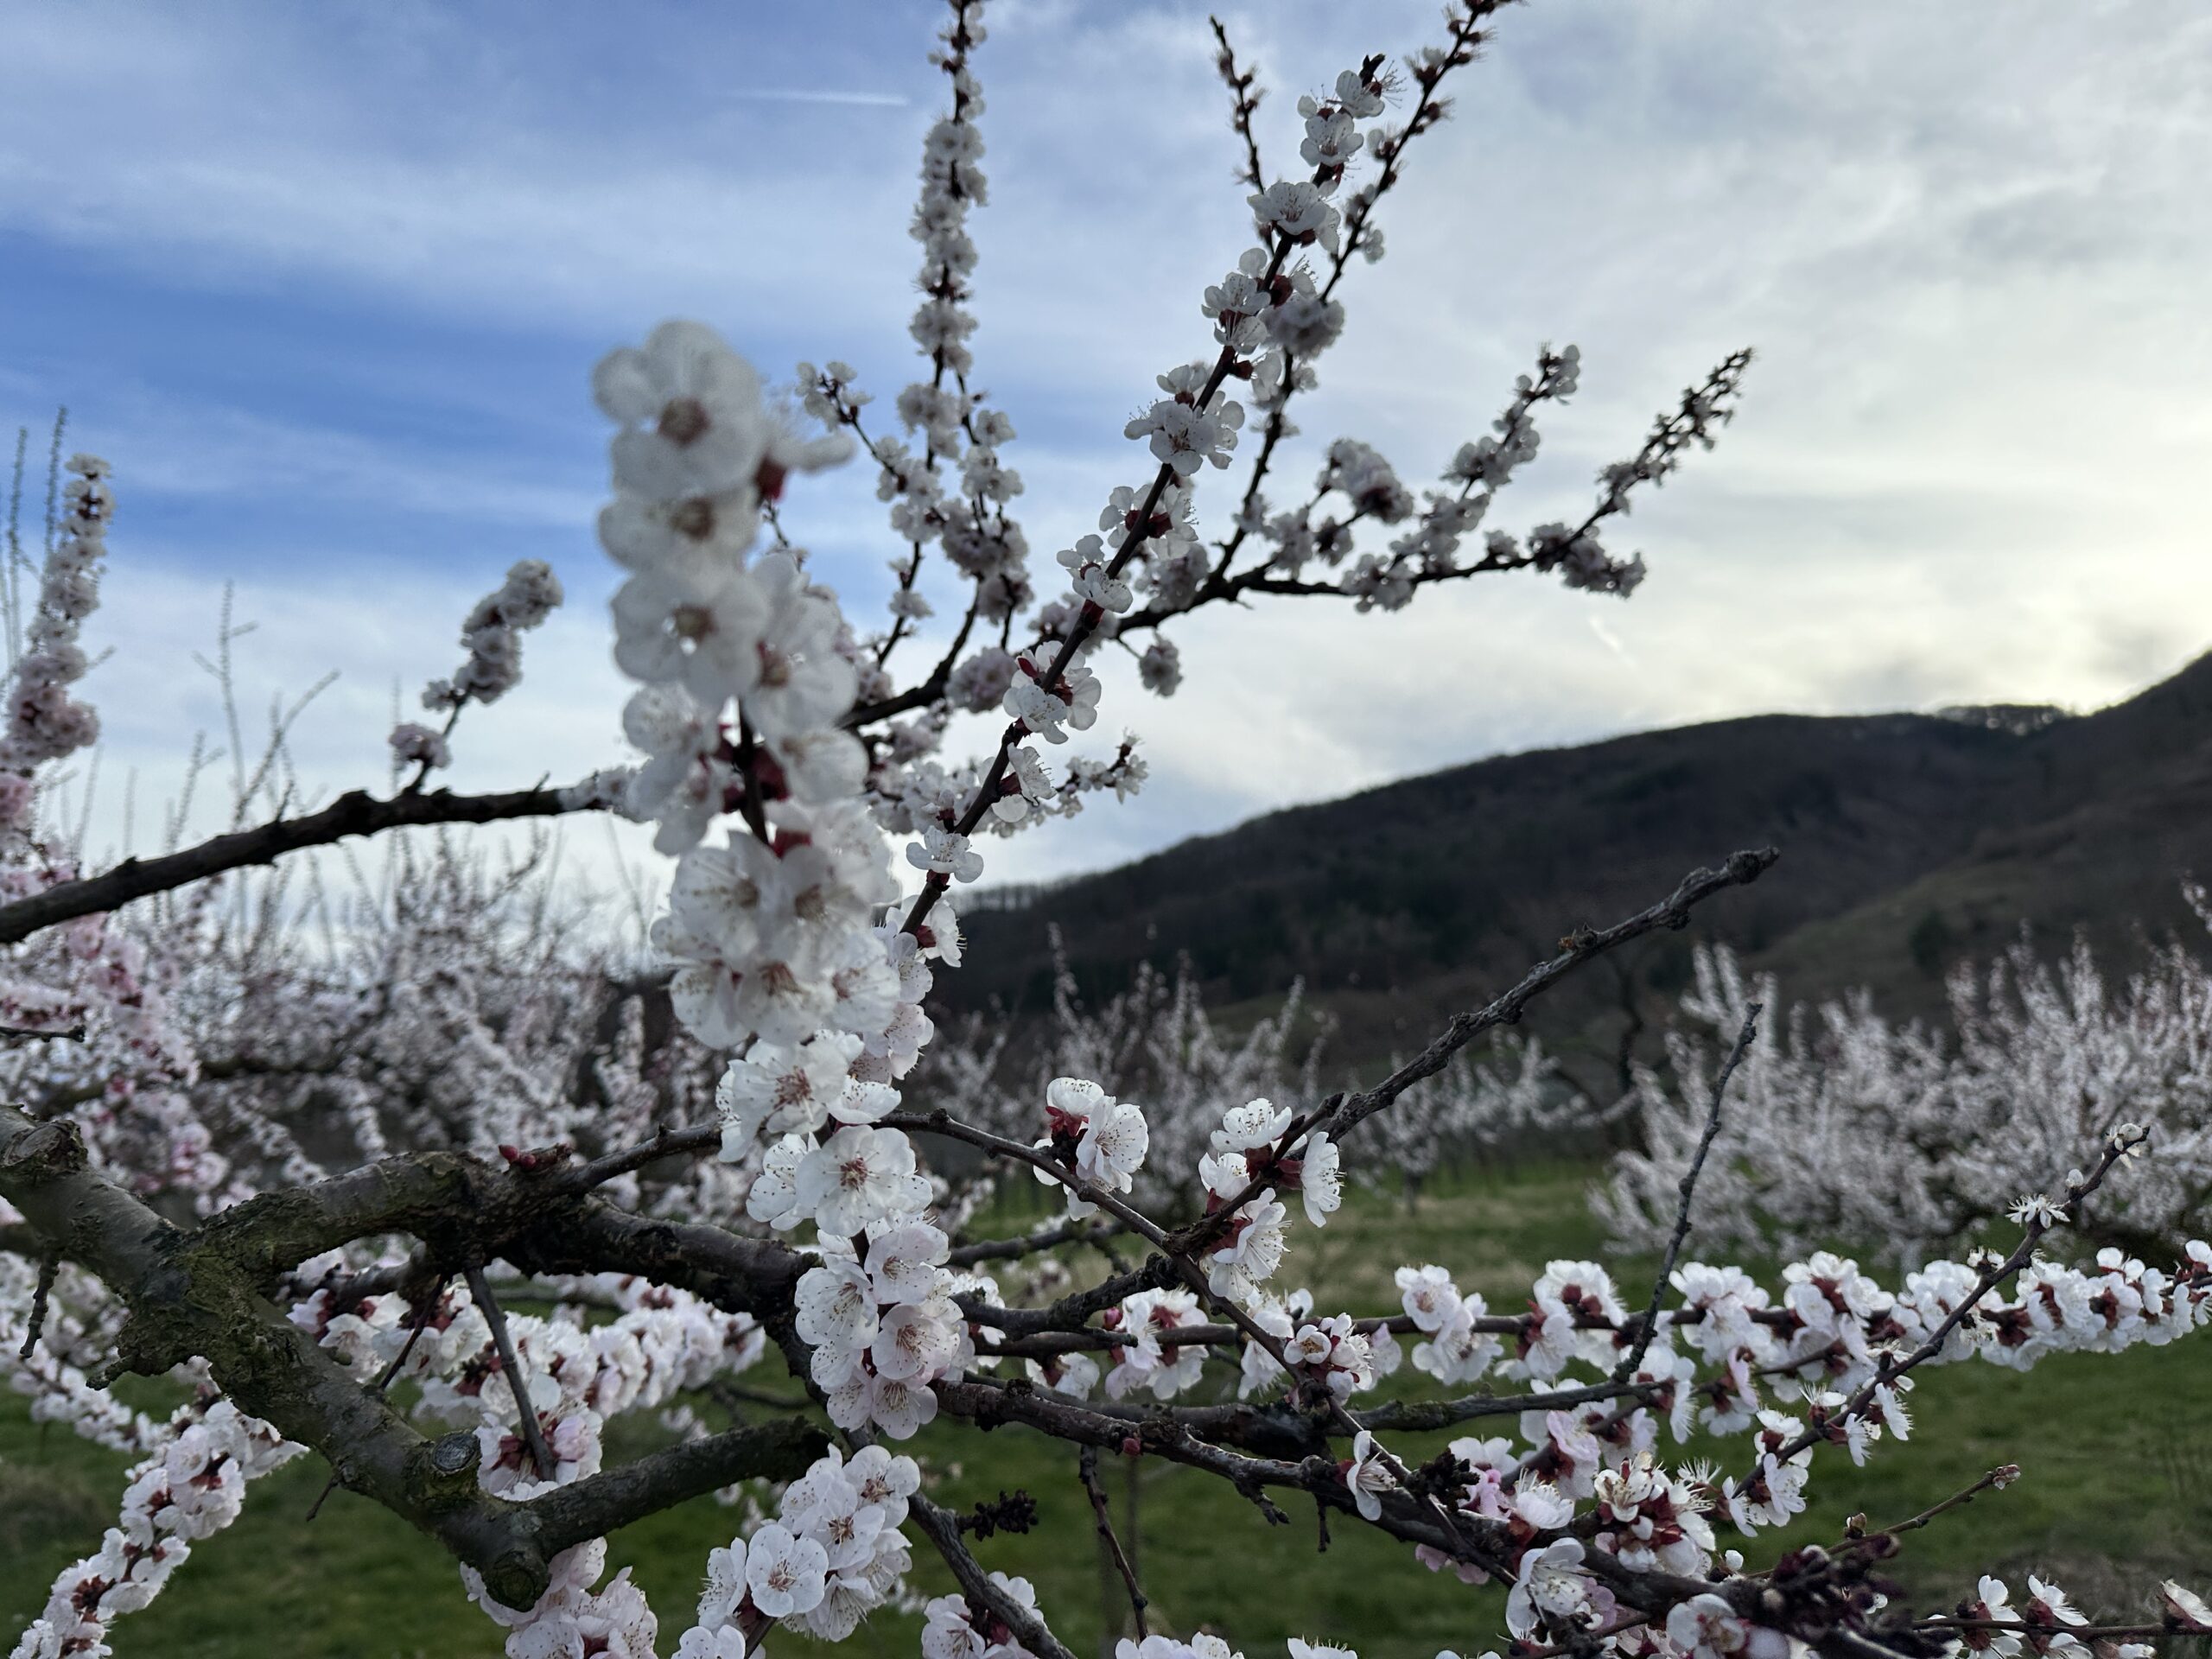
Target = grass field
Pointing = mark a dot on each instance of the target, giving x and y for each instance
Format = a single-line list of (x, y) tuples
[(2117, 1494)]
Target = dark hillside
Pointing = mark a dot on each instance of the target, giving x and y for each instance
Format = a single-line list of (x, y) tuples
[(1907, 840)]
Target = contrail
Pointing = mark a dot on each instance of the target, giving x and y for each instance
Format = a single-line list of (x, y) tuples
[(792, 95), (1612, 641)]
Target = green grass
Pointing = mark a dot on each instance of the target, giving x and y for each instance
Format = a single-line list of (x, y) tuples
[(2117, 1494)]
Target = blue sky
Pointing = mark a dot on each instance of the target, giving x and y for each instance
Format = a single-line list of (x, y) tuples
[(325, 284)]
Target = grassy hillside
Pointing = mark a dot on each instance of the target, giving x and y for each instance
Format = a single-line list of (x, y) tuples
[(1907, 841), (2118, 1493)]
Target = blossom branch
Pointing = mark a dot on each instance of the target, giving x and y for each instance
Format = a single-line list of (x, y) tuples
[(2036, 1225)]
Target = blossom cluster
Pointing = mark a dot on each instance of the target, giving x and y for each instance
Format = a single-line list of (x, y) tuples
[(530, 594), (492, 636), (45, 722), (883, 1327), (833, 1555), (957, 1628), (614, 1620), (1101, 1139), (772, 930)]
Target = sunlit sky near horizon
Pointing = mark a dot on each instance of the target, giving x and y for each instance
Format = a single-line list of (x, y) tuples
[(325, 284)]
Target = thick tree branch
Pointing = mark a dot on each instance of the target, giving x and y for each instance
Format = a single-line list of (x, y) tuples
[(186, 1298), (595, 1506), (200, 1293)]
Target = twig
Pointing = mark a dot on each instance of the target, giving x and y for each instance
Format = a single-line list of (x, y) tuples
[(533, 1436), (31, 1034), (665, 1142), (1634, 1357), (726, 1393), (1738, 869), (49, 1264), (1340, 1112), (2114, 1632), (1999, 1477), (1001, 1249), (1087, 1468), (1246, 99)]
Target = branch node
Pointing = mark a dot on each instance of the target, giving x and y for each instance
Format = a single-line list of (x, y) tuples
[(442, 1472)]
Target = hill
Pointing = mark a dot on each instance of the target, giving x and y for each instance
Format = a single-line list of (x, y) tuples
[(1907, 841)]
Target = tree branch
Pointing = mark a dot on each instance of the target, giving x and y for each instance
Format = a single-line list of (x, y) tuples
[(1739, 870), (357, 813), (200, 1293)]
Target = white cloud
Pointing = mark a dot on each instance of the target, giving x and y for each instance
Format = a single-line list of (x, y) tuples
[(1968, 241)]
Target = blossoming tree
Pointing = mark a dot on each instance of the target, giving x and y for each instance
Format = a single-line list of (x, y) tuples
[(1851, 1127), (785, 752)]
